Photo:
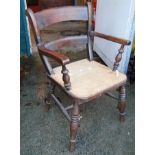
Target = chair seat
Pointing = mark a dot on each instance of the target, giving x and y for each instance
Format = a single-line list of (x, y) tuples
[(89, 78)]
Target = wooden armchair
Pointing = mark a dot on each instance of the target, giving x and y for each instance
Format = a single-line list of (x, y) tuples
[(83, 80)]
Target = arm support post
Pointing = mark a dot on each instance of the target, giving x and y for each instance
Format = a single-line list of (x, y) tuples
[(66, 77), (60, 58), (118, 58), (123, 42)]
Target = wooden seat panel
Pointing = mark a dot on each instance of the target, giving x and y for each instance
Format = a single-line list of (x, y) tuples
[(89, 78)]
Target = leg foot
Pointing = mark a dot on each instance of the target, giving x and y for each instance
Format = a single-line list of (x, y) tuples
[(48, 100), (122, 103), (74, 126), (47, 107)]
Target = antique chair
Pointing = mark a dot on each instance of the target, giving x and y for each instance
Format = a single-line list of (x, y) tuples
[(82, 80)]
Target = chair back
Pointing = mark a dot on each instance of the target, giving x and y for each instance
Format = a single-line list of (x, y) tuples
[(47, 17), (51, 16)]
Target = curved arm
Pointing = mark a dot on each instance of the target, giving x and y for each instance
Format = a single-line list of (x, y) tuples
[(60, 58), (110, 38)]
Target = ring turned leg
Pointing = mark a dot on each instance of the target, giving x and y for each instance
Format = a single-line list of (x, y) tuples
[(122, 103), (74, 126)]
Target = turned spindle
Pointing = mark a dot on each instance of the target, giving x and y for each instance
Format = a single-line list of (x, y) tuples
[(122, 103), (66, 77), (74, 125), (118, 58)]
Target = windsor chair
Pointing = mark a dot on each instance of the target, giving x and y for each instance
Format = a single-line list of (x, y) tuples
[(82, 80)]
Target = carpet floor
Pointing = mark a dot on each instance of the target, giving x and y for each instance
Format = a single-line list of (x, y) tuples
[(47, 133)]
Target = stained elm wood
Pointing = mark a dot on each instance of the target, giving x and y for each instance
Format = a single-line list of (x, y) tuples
[(51, 16), (110, 38), (44, 4), (70, 41), (60, 58), (60, 105), (74, 126), (34, 25), (83, 73), (37, 37), (46, 63), (66, 78), (122, 103), (90, 41), (83, 82), (118, 58)]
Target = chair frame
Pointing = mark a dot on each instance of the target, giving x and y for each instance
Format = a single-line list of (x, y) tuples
[(37, 22)]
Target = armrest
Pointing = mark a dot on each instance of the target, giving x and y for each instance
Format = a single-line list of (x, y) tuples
[(60, 58), (110, 38)]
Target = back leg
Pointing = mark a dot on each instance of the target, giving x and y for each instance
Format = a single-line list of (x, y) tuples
[(48, 99), (122, 103)]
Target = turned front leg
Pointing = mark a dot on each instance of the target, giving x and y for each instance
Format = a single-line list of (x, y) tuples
[(122, 103), (74, 126)]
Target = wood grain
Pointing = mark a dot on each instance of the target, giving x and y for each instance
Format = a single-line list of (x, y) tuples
[(110, 38), (54, 15), (60, 58)]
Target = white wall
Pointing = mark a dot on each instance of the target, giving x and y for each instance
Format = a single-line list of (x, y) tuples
[(114, 17)]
